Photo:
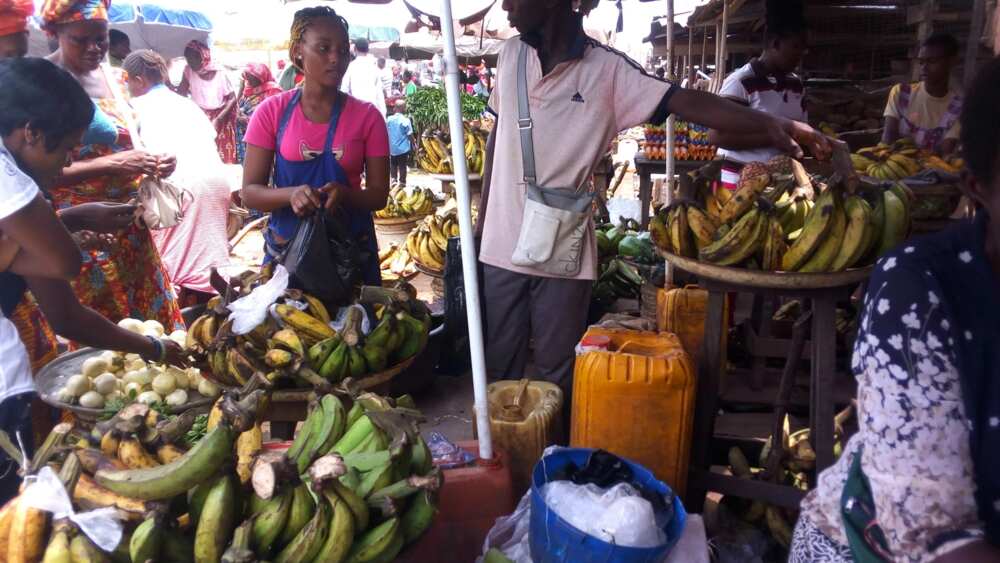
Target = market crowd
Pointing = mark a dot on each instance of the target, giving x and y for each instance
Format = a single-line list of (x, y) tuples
[(83, 128)]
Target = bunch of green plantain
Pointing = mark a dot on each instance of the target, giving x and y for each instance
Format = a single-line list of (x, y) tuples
[(396, 337), (346, 490)]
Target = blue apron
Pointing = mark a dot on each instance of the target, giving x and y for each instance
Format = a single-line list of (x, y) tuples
[(316, 173)]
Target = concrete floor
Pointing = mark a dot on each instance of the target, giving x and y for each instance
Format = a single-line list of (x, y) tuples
[(447, 404)]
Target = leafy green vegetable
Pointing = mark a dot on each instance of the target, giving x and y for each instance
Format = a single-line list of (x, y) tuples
[(112, 406), (428, 107), (198, 430)]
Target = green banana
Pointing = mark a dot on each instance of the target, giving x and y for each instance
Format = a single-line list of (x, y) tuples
[(905, 197), (418, 517), (817, 225), (239, 551), (894, 231), (355, 434), (146, 541), (57, 550), (421, 460), (177, 547), (367, 461), (355, 362), (319, 352), (269, 522), (302, 510), (83, 550), (310, 540), (376, 358), (827, 251), (341, 532), (217, 521), (335, 367), (326, 434), (374, 480), (381, 543), (414, 336), (351, 479), (169, 480), (310, 427), (357, 505), (356, 412)]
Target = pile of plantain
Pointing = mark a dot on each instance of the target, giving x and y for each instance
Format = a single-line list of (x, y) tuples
[(356, 485), (434, 154), (774, 221), (403, 204), (901, 159), (428, 242), (297, 341), (396, 263)]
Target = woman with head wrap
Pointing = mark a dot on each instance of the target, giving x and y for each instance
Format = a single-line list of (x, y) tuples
[(318, 141), (126, 279), (210, 88), (14, 16), (259, 86)]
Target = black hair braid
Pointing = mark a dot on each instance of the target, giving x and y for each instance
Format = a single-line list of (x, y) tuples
[(147, 64), (301, 22)]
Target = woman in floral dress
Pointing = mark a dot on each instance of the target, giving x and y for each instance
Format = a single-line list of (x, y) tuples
[(920, 481), (128, 279)]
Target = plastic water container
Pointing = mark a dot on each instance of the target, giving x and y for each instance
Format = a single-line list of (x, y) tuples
[(554, 540)]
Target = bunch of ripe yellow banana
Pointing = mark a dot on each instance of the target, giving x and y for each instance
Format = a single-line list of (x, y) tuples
[(435, 153), (748, 227), (356, 485), (396, 263), (888, 162), (428, 242), (403, 204)]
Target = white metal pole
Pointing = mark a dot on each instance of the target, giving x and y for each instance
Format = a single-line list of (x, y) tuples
[(469, 270), (669, 195)]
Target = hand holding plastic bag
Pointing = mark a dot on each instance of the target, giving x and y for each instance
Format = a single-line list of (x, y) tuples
[(48, 493)]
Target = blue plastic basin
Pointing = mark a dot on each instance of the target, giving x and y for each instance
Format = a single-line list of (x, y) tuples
[(554, 540)]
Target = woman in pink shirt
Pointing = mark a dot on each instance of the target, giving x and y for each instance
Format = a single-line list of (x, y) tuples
[(318, 141)]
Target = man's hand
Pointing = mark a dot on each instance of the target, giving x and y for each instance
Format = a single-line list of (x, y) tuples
[(176, 355), (790, 136), (99, 217)]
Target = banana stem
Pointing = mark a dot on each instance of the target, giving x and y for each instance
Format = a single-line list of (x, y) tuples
[(49, 447), (325, 469), (271, 471)]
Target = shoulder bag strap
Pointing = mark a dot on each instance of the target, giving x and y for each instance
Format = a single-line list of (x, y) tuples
[(524, 123)]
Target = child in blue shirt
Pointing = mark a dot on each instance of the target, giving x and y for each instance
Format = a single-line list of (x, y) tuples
[(400, 142)]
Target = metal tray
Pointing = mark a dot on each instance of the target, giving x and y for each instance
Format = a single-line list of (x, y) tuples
[(52, 378)]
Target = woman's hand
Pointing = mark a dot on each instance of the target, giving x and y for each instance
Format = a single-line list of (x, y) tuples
[(333, 192), (89, 240), (99, 217), (305, 201), (134, 163), (218, 123)]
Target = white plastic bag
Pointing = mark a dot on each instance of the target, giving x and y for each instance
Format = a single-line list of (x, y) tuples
[(47, 493), (250, 311), (617, 515), (510, 534)]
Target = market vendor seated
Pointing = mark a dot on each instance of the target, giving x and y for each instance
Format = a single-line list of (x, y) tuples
[(919, 481), (769, 84), (927, 112)]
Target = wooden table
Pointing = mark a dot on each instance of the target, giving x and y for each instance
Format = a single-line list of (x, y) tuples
[(645, 168), (821, 299)]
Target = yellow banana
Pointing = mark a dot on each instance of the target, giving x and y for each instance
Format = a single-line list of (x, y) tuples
[(833, 240), (58, 548), (304, 324), (26, 543), (133, 455), (855, 237), (703, 226), (817, 225), (83, 550), (248, 445), (317, 308)]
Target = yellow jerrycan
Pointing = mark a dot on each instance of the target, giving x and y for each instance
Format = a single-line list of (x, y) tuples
[(636, 400)]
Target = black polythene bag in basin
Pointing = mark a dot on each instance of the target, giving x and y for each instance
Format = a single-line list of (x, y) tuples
[(323, 259)]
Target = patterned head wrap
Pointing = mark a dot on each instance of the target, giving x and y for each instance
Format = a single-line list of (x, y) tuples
[(57, 12), (262, 73), (303, 19), (14, 15), (207, 66)]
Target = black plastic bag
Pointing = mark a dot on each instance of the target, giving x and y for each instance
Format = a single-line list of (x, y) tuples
[(455, 356), (323, 260)]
